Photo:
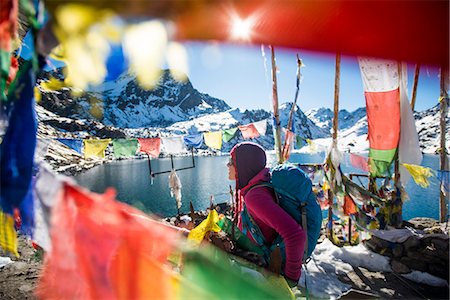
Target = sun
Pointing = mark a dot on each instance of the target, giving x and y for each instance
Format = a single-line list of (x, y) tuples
[(241, 29)]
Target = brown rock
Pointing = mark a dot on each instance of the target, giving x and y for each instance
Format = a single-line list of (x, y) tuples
[(399, 267), (414, 264), (397, 251), (411, 242)]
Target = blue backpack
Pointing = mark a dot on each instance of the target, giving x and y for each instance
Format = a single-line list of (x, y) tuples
[(293, 190)]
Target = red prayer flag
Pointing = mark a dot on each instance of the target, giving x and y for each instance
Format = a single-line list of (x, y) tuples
[(383, 117), (151, 146), (349, 206), (249, 131), (359, 162), (104, 249), (8, 23)]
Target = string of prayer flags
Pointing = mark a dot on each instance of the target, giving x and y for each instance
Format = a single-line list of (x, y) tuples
[(261, 127), (74, 144), (19, 143), (228, 134), (209, 224), (8, 235), (419, 174), (213, 139), (151, 146), (381, 90), (95, 148), (359, 162), (444, 178), (249, 131), (173, 145), (125, 147), (194, 140)]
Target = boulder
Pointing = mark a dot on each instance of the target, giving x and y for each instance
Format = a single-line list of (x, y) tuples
[(414, 264), (399, 267), (411, 243), (397, 250)]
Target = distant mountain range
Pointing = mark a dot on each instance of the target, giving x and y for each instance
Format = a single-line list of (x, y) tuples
[(121, 108)]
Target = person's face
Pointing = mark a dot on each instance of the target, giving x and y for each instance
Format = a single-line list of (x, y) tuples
[(231, 170)]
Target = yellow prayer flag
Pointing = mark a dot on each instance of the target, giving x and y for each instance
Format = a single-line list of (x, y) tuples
[(8, 236), (95, 148), (419, 174), (213, 139), (52, 84), (312, 146), (209, 224)]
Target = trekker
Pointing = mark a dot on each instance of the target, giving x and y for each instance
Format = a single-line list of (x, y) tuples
[(247, 166)]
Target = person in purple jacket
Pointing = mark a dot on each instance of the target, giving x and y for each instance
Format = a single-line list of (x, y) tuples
[(247, 166)]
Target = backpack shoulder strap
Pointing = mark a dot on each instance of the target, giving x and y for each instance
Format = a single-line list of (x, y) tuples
[(265, 184)]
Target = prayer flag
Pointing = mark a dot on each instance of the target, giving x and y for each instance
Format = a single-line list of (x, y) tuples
[(74, 144), (114, 250), (300, 142), (408, 148), (194, 140), (209, 224), (249, 131), (151, 146), (173, 145), (359, 162), (381, 90), (261, 126), (8, 31), (444, 178), (19, 142), (47, 188), (288, 144), (312, 146), (8, 236), (41, 149), (213, 139), (228, 134), (419, 174), (349, 206), (202, 268), (95, 148), (125, 147)]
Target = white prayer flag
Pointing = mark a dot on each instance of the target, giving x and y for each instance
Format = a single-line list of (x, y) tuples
[(261, 127), (173, 145)]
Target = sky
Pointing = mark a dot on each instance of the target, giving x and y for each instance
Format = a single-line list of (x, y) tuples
[(238, 75)]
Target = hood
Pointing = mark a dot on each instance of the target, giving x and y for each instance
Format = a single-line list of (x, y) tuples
[(249, 159)]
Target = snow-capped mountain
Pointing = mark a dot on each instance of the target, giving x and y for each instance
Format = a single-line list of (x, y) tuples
[(123, 103), (323, 117)]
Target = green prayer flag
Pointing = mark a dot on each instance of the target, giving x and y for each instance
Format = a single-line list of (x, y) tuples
[(228, 134), (5, 62), (212, 271), (380, 162), (125, 147)]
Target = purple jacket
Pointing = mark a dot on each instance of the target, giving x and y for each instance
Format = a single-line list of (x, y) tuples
[(261, 205)]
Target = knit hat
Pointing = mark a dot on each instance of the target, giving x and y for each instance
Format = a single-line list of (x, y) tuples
[(248, 159)]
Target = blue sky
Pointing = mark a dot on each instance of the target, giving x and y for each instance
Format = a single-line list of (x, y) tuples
[(237, 75)]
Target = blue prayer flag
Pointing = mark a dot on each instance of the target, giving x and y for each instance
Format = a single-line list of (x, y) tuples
[(194, 140), (17, 148), (74, 144)]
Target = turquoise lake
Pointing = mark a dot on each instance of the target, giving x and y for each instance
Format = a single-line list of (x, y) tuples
[(132, 181)]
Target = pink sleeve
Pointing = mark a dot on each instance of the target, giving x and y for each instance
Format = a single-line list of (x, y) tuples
[(260, 204)]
